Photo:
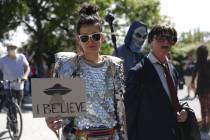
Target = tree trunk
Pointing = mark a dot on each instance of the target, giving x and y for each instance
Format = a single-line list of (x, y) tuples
[(40, 67)]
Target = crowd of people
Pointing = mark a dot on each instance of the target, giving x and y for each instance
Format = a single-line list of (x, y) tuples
[(128, 94), (148, 84)]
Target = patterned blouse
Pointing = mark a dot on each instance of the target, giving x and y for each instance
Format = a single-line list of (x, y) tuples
[(104, 87)]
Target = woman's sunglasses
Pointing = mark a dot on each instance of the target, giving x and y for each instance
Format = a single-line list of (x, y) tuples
[(94, 37)]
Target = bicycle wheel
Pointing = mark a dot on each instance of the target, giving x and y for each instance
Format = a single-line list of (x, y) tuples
[(15, 121)]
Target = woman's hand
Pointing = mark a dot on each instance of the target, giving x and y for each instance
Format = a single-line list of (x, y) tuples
[(182, 116), (54, 123)]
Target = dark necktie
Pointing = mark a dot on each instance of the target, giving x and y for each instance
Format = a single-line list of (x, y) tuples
[(172, 89)]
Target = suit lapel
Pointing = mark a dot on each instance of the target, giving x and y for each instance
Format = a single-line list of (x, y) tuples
[(155, 79)]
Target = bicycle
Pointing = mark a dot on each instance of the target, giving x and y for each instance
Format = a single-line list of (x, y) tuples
[(14, 114)]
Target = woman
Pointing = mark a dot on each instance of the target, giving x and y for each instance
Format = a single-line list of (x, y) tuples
[(103, 80), (202, 71)]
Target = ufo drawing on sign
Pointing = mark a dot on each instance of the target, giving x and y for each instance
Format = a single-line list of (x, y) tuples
[(57, 89), (56, 92)]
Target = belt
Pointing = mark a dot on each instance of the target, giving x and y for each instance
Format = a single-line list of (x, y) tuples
[(96, 134)]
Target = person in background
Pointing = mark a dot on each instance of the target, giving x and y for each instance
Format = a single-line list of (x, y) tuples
[(1, 89), (33, 74), (130, 51), (188, 71), (202, 71), (15, 66), (152, 107), (103, 76)]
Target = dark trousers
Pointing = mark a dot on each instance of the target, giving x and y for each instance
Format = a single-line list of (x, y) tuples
[(2, 99), (17, 94)]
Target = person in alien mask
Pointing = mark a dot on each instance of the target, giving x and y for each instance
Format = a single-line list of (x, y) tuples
[(130, 51)]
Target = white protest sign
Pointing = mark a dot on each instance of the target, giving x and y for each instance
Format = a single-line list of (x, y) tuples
[(52, 97)]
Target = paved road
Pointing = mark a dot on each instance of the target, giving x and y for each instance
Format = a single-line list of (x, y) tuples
[(36, 129), (195, 105), (33, 128)]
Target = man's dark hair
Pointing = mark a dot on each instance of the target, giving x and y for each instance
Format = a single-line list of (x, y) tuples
[(88, 16), (158, 30)]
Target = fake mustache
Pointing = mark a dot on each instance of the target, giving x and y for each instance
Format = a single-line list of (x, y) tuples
[(165, 47)]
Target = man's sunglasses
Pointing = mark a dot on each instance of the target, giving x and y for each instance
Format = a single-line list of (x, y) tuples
[(170, 39), (86, 38)]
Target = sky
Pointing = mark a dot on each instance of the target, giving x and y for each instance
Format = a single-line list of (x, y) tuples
[(187, 14), (18, 37)]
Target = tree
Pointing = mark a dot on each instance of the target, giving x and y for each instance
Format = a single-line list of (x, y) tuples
[(147, 11), (51, 26), (194, 37), (10, 11), (51, 23)]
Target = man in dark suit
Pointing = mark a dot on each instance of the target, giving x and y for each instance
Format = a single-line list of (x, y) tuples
[(151, 102)]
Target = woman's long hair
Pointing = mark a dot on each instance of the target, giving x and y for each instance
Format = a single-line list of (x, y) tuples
[(202, 54)]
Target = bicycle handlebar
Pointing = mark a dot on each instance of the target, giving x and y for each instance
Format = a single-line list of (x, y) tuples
[(12, 81)]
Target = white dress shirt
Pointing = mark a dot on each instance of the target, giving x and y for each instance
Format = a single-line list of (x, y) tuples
[(160, 71)]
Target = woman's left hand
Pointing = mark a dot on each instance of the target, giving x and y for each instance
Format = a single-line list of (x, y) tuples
[(182, 116)]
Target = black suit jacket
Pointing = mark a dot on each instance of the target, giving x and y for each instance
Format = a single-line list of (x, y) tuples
[(149, 111)]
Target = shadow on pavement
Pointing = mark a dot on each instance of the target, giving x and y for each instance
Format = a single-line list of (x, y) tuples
[(27, 104), (187, 98), (2, 134), (26, 108)]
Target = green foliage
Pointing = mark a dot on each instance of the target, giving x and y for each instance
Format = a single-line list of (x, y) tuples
[(106, 49), (146, 49), (51, 23), (188, 42), (147, 11), (9, 16), (102, 4), (192, 37)]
